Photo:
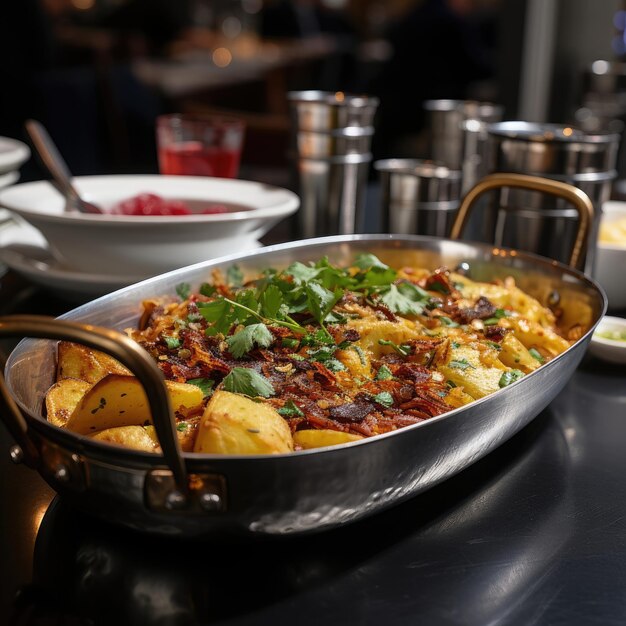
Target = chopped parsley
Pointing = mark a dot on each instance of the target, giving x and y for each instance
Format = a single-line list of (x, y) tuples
[(248, 382)]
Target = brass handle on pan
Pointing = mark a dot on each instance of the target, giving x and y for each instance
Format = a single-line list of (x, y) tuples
[(119, 346), (578, 198)]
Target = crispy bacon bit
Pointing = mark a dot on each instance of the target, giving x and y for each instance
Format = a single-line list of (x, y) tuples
[(440, 281), (495, 332), (482, 310), (352, 412)]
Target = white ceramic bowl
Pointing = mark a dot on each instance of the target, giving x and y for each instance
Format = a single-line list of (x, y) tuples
[(149, 245), (610, 261), (606, 348)]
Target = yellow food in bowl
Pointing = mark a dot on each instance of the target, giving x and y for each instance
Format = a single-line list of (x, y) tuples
[(613, 232)]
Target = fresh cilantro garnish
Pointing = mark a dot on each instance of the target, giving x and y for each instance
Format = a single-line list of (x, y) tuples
[(208, 290), (536, 355), (183, 290), (369, 261), (182, 427), (321, 300), (171, 342), (194, 317), (402, 350), (384, 373), (335, 365), (403, 299), (361, 354), (446, 321), (384, 398), (290, 342), (461, 364), (494, 345), (245, 339), (509, 377), (234, 276), (455, 344), (248, 382), (290, 410), (205, 384)]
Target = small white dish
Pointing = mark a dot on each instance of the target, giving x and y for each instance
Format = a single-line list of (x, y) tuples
[(149, 245), (607, 348), (13, 154), (24, 250), (610, 260)]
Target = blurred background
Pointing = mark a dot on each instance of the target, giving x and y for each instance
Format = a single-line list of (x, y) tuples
[(98, 72)]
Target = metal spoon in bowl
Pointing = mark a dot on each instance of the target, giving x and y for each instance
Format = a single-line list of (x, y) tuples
[(53, 161)]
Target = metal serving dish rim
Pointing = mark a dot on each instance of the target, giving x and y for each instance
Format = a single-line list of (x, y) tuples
[(547, 133)]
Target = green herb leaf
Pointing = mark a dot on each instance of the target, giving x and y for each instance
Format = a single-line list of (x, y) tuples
[(248, 382), (384, 398), (368, 261), (271, 301), (205, 384), (510, 377), (290, 342), (171, 342), (335, 365), (384, 373), (245, 339), (182, 426), (446, 321), (402, 350), (290, 410), (208, 290), (321, 300), (234, 276), (461, 364), (494, 345), (183, 290), (536, 355)]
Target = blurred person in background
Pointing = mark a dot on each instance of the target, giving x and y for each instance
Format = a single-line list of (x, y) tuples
[(439, 50)]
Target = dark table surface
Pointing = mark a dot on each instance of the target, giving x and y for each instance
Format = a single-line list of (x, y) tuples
[(535, 533)]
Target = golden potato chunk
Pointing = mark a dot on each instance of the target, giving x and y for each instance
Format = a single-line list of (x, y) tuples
[(77, 361), (465, 369), (62, 398), (235, 424), (121, 401), (372, 330), (515, 354), (134, 437), (323, 437)]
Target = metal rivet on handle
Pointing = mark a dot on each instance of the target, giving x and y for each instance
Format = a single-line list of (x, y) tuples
[(17, 454), (210, 502), (62, 473), (175, 500)]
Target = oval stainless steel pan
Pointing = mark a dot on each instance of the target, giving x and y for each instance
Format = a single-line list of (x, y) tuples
[(193, 495)]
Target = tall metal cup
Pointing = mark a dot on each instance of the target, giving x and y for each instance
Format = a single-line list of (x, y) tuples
[(331, 143), (458, 135), (418, 197), (533, 221)]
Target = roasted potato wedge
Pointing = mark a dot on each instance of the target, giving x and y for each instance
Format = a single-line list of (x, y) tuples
[(121, 401), (235, 424), (77, 361), (134, 437), (62, 398), (323, 437)]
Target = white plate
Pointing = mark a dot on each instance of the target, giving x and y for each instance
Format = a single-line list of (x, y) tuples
[(612, 350), (150, 244), (24, 250), (13, 154)]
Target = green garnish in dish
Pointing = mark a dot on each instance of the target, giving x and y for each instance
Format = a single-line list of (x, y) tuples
[(614, 335)]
